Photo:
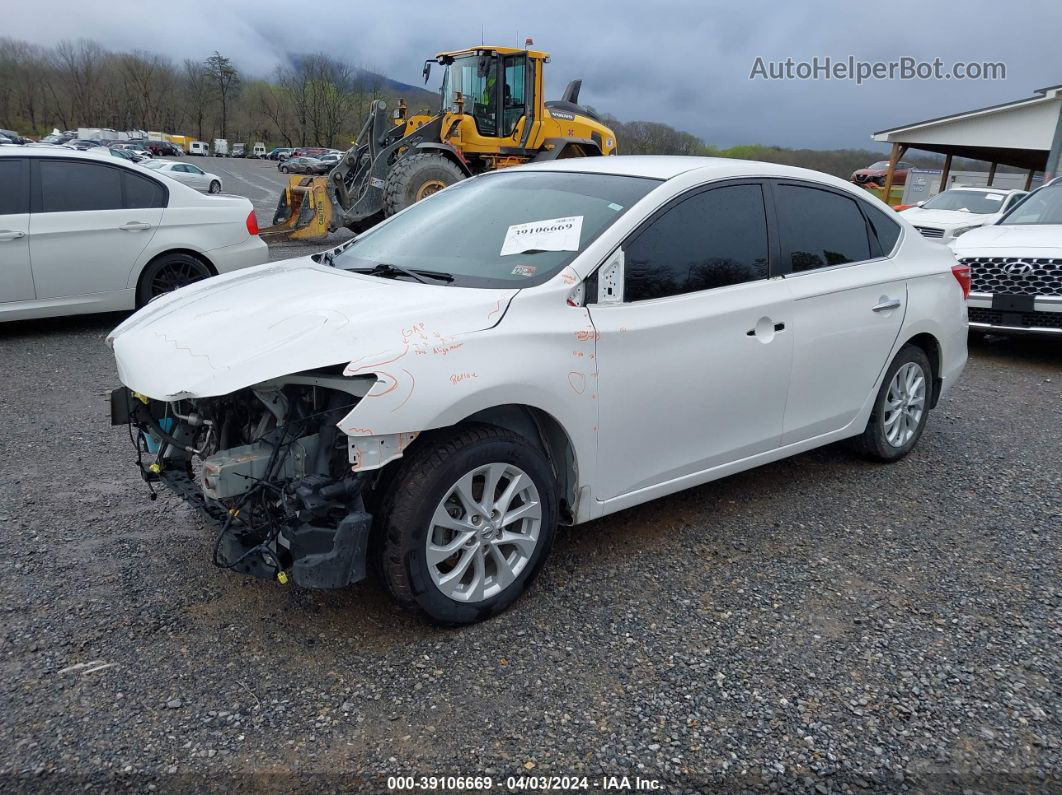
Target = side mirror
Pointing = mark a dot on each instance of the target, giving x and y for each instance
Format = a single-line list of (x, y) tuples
[(919, 204), (427, 70)]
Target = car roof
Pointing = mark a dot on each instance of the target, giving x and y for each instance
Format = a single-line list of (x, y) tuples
[(984, 189), (669, 166)]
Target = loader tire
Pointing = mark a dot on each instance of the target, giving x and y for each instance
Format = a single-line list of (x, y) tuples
[(415, 177)]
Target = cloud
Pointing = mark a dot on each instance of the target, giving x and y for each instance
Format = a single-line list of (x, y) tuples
[(683, 62)]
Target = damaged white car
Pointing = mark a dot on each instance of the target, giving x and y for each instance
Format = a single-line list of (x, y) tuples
[(538, 346)]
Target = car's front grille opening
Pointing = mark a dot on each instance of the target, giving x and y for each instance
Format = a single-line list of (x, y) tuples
[(930, 231), (1014, 275)]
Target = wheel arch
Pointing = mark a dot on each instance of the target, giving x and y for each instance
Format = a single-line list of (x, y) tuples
[(546, 432), (199, 255), (446, 150), (930, 345)]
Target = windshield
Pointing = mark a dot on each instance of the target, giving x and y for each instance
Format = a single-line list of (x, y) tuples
[(1043, 206), (971, 201), (508, 229), (879, 165), (153, 164)]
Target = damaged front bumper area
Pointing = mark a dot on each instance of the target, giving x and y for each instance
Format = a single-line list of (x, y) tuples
[(270, 469)]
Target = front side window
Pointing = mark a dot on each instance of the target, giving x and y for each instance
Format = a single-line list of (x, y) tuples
[(68, 186), (514, 229), (712, 239), (1043, 206), (819, 228)]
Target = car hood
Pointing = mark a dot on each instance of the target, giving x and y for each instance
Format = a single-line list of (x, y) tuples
[(239, 329), (1012, 236), (944, 218)]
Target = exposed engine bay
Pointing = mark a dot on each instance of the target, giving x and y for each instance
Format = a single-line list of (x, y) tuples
[(269, 466)]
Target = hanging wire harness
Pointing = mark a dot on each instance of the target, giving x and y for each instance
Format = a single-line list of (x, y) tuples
[(268, 467)]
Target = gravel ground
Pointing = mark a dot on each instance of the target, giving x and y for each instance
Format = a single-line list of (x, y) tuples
[(820, 624)]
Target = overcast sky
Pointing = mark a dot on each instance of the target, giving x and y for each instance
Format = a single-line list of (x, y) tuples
[(683, 62)]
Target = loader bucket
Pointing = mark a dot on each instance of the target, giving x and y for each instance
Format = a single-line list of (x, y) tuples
[(304, 211)]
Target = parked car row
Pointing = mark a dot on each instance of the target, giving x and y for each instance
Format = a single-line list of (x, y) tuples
[(86, 232)]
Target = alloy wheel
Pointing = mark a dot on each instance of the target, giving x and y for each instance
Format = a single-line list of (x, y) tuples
[(176, 275), (905, 404), (483, 532)]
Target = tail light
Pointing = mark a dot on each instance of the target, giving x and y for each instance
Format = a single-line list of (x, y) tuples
[(962, 276), (252, 230)]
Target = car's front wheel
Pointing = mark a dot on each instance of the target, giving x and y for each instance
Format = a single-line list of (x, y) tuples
[(215, 186), (901, 408), (467, 524)]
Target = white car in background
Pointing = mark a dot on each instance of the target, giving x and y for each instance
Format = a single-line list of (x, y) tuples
[(83, 232), (542, 345), (1016, 267), (190, 175), (954, 212)]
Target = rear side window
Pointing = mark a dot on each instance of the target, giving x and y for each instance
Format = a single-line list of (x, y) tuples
[(884, 230), (142, 192), (14, 197), (819, 228), (67, 186), (712, 239)]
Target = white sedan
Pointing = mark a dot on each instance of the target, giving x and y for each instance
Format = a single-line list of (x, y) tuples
[(85, 232), (536, 346), (954, 212), (190, 175)]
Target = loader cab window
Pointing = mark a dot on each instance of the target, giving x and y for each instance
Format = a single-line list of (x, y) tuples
[(513, 107), (476, 79)]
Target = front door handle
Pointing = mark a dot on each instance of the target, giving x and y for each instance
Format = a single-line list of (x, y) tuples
[(10, 234), (885, 304), (134, 226)]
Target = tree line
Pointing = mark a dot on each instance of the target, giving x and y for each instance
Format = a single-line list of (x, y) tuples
[(317, 100)]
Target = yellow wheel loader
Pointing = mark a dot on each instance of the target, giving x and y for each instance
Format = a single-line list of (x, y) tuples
[(493, 115)]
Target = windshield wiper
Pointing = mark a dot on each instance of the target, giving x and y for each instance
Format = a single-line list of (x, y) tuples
[(387, 269), (328, 258)]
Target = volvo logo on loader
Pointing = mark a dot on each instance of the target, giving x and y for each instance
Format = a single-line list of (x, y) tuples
[(492, 115)]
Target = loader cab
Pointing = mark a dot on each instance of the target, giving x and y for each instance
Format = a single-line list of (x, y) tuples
[(495, 86)]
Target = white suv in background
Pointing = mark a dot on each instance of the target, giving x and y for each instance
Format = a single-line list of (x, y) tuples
[(1016, 267), (953, 213), (82, 232)]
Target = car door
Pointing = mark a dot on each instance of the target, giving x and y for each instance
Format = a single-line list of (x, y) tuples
[(16, 278), (693, 364), (91, 221), (848, 302)]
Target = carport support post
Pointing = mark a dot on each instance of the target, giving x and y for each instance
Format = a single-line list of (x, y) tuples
[(1028, 179), (895, 157), (945, 174), (991, 175)]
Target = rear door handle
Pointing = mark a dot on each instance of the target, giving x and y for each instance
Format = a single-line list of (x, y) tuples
[(887, 304), (10, 234), (134, 226)]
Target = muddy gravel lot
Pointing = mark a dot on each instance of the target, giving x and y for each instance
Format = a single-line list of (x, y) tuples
[(820, 624)]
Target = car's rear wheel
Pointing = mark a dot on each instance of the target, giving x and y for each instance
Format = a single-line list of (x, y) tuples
[(168, 273), (215, 186), (467, 524), (901, 408), (283, 169)]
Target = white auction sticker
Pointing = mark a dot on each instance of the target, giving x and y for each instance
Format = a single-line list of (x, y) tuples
[(995, 197), (553, 234)]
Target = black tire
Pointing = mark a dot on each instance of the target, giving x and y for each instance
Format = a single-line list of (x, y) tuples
[(282, 169), (416, 176), (873, 443), (168, 273), (420, 484), (215, 186)]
